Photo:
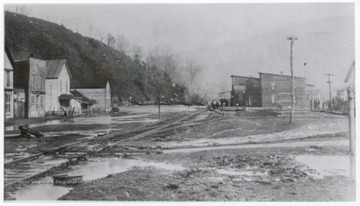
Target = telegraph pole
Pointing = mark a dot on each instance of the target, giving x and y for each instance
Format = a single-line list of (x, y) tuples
[(351, 100), (159, 99), (329, 82), (292, 39), (352, 126)]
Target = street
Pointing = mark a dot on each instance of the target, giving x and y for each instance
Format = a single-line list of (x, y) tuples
[(191, 154)]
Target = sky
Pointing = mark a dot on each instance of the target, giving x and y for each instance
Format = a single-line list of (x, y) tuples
[(228, 39)]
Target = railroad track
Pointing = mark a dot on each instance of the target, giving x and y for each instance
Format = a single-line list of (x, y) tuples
[(39, 163)]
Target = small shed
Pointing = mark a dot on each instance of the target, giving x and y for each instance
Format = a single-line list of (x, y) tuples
[(80, 103), (99, 91)]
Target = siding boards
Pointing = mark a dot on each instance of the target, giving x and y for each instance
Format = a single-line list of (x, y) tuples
[(276, 91), (99, 95)]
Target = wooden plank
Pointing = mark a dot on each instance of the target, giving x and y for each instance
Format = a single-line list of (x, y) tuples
[(22, 160)]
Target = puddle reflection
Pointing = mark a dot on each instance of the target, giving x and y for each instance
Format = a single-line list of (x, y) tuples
[(327, 165)]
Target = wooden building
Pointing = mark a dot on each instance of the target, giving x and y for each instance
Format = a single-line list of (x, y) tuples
[(99, 91), (8, 84), (58, 96), (245, 91), (276, 91), (80, 103), (29, 77)]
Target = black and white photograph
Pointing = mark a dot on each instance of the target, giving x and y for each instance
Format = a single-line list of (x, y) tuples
[(179, 102)]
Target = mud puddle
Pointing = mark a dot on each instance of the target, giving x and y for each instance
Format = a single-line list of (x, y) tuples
[(42, 189), (28, 169), (327, 165), (98, 168), (93, 169)]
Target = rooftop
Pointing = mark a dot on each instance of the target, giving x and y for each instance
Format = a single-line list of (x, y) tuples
[(262, 73), (53, 68), (95, 83)]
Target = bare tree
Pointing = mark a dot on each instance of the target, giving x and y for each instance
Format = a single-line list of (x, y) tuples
[(91, 28), (164, 59), (137, 52), (122, 44), (23, 9), (99, 36), (191, 73), (110, 40)]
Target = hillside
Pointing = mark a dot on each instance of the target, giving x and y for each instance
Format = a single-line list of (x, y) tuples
[(88, 59)]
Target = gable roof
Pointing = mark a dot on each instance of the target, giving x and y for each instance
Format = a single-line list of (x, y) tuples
[(281, 75), (11, 59), (237, 76), (66, 96), (82, 98), (94, 83), (54, 66)]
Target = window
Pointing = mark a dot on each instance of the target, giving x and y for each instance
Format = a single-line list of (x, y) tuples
[(255, 83), (7, 102), (41, 82), (8, 79), (37, 100), (272, 85), (41, 101), (33, 82), (32, 99), (38, 81), (67, 88), (60, 86), (273, 98)]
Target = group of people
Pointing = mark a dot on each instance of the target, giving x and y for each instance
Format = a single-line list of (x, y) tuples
[(315, 104), (218, 104)]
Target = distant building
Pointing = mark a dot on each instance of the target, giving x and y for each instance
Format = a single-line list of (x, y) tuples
[(245, 91), (276, 91), (29, 80), (312, 97), (99, 90), (58, 96), (341, 94), (8, 84)]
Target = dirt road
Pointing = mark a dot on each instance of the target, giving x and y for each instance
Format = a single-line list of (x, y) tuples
[(229, 158)]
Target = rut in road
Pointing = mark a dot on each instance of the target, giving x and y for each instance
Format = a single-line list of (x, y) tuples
[(38, 164)]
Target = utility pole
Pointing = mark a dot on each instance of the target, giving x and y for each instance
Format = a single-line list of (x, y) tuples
[(329, 82), (292, 39), (351, 100), (189, 84), (352, 126), (159, 99)]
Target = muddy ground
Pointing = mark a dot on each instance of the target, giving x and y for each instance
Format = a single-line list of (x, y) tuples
[(246, 174), (222, 175), (259, 170)]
